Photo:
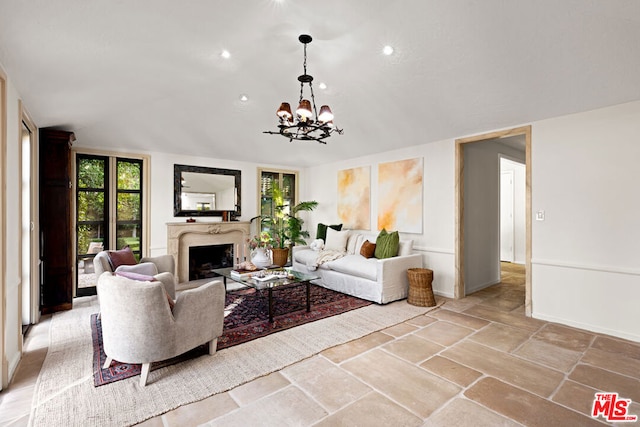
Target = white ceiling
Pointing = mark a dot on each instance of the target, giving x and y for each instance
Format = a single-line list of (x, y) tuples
[(147, 75)]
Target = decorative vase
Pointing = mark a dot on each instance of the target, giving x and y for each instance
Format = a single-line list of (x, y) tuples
[(280, 256), (260, 258)]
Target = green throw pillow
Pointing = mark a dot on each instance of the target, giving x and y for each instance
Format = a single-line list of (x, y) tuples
[(321, 233), (387, 244)]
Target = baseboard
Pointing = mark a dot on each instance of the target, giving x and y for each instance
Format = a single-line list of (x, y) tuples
[(13, 365), (482, 286), (444, 294), (586, 326)]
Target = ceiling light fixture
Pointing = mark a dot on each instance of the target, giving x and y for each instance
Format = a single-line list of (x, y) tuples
[(387, 50), (308, 125)]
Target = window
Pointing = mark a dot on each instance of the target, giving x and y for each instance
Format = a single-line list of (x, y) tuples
[(109, 211), (129, 205), (286, 180)]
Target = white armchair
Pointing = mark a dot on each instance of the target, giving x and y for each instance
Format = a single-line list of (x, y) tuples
[(138, 325), (165, 264)]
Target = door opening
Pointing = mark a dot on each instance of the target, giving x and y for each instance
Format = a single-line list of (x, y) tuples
[(29, 245), (507, 221), (464, 249), (108, 212)]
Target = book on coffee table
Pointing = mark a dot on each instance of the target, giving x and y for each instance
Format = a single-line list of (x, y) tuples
[(266, 275), (243, 274)]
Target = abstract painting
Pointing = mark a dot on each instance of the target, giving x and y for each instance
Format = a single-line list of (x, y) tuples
[(354, 198), (400, 196)]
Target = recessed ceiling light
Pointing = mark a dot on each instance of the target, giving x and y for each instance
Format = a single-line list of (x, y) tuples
[(387, 50), (225, 54), (322, 86), (244, 98)]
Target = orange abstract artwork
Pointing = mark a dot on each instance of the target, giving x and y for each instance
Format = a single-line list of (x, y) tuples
[(354, 198), (400, 196)]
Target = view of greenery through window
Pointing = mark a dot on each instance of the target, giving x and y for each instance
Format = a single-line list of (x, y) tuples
[(94, 188), (129, 205), (287, 182), (92, 174)]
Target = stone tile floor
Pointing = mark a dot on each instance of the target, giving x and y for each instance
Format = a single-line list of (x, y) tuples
[(474, 362)]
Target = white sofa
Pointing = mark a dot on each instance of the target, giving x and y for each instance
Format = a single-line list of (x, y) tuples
[(378, 280)]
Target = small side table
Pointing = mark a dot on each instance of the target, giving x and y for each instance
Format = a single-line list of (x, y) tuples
[(420, 289)]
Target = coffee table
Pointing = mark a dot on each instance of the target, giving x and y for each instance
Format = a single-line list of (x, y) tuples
[(293, 278)]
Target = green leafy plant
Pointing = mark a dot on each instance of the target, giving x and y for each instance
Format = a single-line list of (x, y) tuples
[(284, 225)]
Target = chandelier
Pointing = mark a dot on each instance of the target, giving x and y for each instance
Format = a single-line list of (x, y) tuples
[(307, 125)]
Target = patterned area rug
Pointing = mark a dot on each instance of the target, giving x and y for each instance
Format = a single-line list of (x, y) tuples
[(246, 318)]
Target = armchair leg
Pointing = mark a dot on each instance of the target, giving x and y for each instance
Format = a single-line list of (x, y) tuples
[(213, 346), (107, 363), (144, 374)]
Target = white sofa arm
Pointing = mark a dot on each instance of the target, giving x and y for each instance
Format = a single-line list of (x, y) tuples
[(392, 274), (297, 248)]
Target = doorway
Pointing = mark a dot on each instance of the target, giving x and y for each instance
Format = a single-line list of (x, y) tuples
[(29, 256), (512, 210), (463, 247), (109, 212)]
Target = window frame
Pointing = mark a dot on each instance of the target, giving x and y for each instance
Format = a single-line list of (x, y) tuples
[(280, 173), (146, 187)]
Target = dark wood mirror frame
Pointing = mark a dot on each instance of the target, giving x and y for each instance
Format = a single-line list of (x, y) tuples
[(177, 191)]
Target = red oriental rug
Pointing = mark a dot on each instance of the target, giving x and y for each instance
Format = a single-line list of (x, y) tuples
[(246, 318)]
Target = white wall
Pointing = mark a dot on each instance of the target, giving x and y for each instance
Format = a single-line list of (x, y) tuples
[(161, 202), (13, 323), (436, 242), (482, 212), (519, 207), (586, 254)]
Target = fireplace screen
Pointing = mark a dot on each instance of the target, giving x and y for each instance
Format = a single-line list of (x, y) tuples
[(204, 259)]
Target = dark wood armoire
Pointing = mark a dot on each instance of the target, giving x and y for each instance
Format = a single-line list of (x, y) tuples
[(56, 268)]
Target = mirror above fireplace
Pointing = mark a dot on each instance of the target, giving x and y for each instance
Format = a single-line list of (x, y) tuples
[(203, 191)]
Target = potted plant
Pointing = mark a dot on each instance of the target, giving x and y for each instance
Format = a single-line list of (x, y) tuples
[(284, 225)]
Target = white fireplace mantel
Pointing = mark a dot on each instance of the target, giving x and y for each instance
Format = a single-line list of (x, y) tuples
[(183, 235)]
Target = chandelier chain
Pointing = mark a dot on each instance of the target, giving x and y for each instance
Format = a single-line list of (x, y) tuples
[(313, 98)]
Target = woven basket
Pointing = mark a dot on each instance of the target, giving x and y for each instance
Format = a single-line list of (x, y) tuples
[(280, 256), (420, 290)]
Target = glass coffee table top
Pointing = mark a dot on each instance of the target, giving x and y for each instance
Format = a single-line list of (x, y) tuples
[(270, 280)]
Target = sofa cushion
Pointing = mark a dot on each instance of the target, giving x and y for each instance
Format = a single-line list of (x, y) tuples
[(355, 265), (336, 240), (122, 257), (405, 247), (387, 244), (321, 232), (368, 249), (354, 243)]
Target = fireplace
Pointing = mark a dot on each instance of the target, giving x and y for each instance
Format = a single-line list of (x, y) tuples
[(185, 235), (204, 259)]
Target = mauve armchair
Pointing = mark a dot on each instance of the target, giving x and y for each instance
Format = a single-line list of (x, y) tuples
[(138, 325)]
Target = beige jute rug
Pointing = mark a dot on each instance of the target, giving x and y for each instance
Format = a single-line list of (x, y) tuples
[(65, 395)]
